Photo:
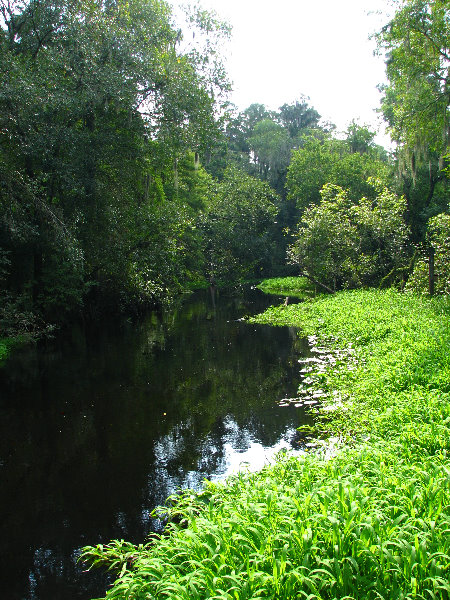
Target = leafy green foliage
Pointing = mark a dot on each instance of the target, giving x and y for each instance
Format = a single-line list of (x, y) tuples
[(416, 103), (341, 243), (3, 349), (298, 117), (103, 117), (236, 226), (346, 163), (261, 141), (270, 144), (168, 252), (416, 99), (326, 242), (371, 521)]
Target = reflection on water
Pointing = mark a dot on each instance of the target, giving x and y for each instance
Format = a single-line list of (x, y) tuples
[(99, 429), (249, 454), (238, 450)]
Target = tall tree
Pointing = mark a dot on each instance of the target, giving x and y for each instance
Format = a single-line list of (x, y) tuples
[(271, 149), (298, 116), (416, 100), (417, 40)]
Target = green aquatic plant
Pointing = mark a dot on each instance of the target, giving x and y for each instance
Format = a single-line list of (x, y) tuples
[(298, 287)]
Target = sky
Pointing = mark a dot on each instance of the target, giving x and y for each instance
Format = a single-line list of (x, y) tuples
[(282, 50)]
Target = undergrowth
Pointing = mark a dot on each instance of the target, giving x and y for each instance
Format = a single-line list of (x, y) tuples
[(371, 522)]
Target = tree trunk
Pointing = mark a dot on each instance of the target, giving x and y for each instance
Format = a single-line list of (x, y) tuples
[(431, 271), (316, 282)]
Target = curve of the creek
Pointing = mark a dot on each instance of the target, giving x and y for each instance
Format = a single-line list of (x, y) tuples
[(99, 426)]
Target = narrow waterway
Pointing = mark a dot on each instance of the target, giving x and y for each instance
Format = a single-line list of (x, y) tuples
[(98, 429)]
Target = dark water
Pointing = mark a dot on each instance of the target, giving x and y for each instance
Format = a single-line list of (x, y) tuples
[(97, 430)]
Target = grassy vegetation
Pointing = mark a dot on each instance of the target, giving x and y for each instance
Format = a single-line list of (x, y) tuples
[(299, 287), (371, 522)]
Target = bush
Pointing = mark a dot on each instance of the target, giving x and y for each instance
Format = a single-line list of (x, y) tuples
[(343, 244)]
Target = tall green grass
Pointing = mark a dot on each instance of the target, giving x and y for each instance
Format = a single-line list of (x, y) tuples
[(371, 522)]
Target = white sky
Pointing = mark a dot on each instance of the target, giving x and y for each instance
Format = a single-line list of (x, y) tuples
[(281, 49)]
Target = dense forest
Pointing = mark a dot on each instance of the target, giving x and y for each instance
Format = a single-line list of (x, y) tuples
[(126, 176)]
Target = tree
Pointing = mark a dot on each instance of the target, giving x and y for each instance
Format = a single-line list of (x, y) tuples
[(417, 42), (237, 224), (342, 243), (260, 141), (270, 147), (359, 138), (298, 116), (238, 130), (253, 115), (416, 102), (325, 241)]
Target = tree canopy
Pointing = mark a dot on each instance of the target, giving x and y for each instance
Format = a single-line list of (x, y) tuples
[(416, 100), (324, 159)]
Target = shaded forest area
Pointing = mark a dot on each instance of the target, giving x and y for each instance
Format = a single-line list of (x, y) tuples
[(126, 176)]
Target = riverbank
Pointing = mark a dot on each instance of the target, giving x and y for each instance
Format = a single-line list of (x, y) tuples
[(370, 522)]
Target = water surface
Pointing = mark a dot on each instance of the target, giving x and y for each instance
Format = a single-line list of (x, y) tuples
[(98, 429)]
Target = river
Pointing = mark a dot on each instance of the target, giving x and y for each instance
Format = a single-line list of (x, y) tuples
[(101, 426)]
